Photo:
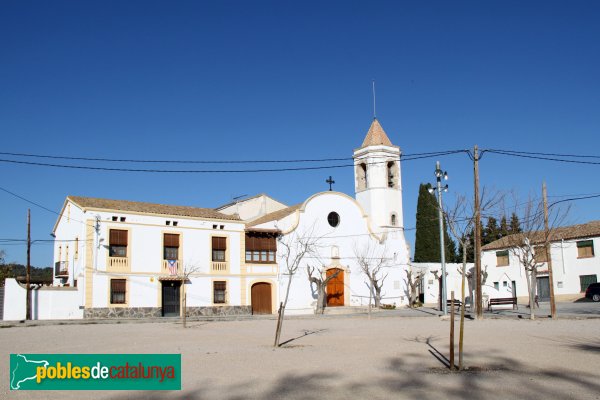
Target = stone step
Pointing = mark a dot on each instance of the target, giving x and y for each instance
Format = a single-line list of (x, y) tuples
[(348, 310)]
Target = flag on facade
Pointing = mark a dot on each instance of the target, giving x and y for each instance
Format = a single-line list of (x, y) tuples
[(173, 267)]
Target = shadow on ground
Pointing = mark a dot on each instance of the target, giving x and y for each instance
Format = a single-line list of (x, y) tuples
[(407, 378)]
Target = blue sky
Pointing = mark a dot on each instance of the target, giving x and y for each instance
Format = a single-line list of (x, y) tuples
[(233, 80)]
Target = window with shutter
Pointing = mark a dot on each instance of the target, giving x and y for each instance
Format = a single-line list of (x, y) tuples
[(118, 291), (219, 291), (219, 246), (171, 246), (585, 249), (260, 248), (117, 243), (502, 258), (587, 280)]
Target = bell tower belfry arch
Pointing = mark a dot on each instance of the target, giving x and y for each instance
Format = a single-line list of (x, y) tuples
[(377, 180)]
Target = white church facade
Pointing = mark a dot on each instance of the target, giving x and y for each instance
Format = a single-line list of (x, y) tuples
[(135, 259)]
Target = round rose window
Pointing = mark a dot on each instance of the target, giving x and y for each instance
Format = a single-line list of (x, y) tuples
[(333, 218)]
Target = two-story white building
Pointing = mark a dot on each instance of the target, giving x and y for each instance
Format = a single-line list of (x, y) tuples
[(137, 259), (574, 264)]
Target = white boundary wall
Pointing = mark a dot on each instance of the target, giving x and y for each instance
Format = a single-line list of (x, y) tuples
[(46, 302)]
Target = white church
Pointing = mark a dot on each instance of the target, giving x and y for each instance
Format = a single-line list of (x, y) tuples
[(127, 259)]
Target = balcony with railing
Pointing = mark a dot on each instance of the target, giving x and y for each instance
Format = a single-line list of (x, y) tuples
[(61, 269), (219, 266), (171, 267), (118, 264)]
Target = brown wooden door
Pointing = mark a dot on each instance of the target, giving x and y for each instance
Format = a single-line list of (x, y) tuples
[(335, 288), (261, 298)]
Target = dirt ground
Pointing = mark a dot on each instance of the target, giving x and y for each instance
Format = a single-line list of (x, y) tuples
[(338, 358)]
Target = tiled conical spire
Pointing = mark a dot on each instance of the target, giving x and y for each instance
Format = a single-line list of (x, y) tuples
[(376, 136)]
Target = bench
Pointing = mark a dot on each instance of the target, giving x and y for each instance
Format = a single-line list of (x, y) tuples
[(457, 303), (503, 301)]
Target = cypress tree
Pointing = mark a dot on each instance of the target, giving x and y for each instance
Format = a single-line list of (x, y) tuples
[(450, 250), (515, 224), (504, 228), (491, 232), (427, 236)]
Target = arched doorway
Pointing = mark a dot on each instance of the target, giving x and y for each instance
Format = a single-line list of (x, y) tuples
[(261, 298), (335, 288)]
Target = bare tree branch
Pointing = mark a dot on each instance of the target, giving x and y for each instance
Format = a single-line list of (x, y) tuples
[(373, 261)]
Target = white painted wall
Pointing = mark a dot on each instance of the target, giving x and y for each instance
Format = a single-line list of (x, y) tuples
[(453, 280), (56, 303), (352, 232), (46, 302), (14, 300), (70, 227), (253, 208)]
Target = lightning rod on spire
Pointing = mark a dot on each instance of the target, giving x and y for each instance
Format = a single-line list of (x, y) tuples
[(374, 110)]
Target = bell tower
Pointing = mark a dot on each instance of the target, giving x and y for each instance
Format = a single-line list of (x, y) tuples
[(377, 181)]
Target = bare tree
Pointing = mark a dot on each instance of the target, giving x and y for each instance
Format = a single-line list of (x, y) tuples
[(373, 261), (461, 219), (320, 280), (294, 248), (188, 270), (529, 246), (5, 270), (413, 278)]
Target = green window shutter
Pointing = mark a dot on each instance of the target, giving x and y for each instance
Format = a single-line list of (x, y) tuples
[(585, 243), (587, 280)]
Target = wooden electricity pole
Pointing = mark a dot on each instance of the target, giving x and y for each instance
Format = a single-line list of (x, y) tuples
[(477, 240), (28, 273), (548, 253)]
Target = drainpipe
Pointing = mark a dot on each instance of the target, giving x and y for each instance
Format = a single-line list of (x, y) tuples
[(97, 230), (562, 252)]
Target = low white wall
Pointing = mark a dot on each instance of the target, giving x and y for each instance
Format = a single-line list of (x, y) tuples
[(453, 280), (14, 300), (46, 302)]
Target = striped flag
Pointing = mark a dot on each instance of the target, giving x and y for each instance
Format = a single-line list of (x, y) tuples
[(173, 267)]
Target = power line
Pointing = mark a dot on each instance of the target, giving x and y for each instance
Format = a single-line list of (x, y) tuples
[(85, 167), (544, 154), (36, 204), (205, 161), (574, 199), (537, 157), (29, 201)]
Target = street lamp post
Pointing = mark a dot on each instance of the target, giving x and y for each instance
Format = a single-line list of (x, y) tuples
[(438, 175)]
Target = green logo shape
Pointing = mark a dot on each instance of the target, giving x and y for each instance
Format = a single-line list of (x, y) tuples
[(95, 372)]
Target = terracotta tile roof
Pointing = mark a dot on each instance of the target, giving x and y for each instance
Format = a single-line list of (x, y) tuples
[(275, 216), (149, 208), (376, 136), (581, 231)]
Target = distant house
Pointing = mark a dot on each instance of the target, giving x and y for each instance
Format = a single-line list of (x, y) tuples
[(575, 263)]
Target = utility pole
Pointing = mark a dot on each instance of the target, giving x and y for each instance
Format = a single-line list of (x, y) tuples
[(477, 247), (548, 252), (28, 274), (438, 175)]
